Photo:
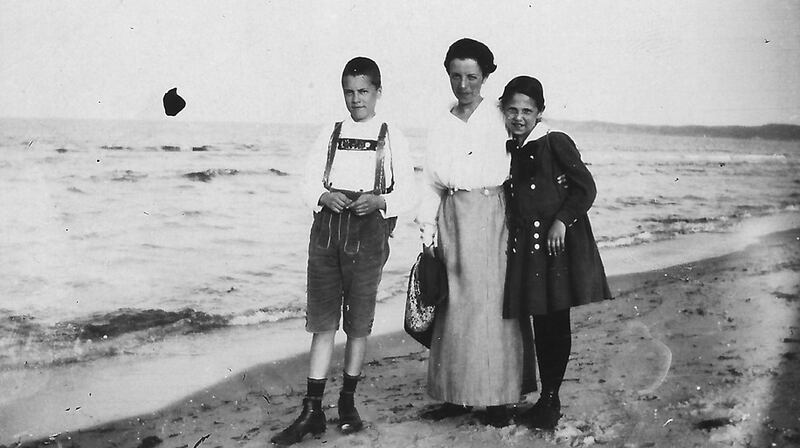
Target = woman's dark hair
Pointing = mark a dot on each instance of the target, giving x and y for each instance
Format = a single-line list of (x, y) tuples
[(525, 85), (363, 66), (467, 48)]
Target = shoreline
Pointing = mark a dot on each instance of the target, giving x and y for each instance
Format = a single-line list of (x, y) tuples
[(117, 383)]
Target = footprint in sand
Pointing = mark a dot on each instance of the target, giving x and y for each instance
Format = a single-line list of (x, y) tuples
[(642, 362)]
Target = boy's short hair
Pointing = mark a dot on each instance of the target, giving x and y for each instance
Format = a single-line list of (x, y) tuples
[(363, 66)]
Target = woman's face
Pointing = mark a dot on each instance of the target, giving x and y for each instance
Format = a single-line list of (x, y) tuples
[(466, 80), (521, 115)]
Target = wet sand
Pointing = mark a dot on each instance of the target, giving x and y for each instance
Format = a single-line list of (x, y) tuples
[(700, 354)]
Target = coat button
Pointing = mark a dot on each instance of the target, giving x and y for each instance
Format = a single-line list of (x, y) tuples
[(536, 236), (536, 223), (533, 186), (486, 192), (536, 246), (531, 156)]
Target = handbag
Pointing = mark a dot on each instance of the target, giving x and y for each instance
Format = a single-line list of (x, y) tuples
[(427, 290)]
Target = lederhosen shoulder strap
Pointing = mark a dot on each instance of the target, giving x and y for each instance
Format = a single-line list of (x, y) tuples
[(332, 143), (380, 156)]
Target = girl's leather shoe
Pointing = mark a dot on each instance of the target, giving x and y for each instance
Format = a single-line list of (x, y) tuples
[(544, 414)]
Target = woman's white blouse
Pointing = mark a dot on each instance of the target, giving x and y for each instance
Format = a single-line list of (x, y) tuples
[(463, 156)]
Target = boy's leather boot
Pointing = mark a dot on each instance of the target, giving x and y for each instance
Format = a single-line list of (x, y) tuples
[(310, 421), (349, 420)]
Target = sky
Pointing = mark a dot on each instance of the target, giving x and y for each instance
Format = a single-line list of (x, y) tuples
[(734, 62)]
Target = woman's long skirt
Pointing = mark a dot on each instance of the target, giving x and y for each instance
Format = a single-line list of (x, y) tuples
[(476, 355)]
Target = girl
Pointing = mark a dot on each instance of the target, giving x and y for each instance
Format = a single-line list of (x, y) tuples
[(553, 261)]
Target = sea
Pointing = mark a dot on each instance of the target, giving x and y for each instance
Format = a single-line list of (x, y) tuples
[(117, 235)]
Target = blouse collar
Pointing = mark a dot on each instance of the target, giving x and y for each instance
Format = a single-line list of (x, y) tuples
[(476, 115), (540, 130)]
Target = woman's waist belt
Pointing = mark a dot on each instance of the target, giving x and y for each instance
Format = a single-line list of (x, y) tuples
[(486, 191)]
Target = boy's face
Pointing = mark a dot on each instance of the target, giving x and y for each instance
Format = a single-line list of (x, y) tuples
[(360, 96)]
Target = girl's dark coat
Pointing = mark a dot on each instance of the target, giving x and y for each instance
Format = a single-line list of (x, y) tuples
[(537, 283)]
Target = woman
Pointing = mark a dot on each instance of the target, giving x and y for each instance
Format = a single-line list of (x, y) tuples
[(553, 261), (476, 355)]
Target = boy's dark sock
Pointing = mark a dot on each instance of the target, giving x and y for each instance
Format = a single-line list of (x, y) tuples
[(315, 388), (349, 383)]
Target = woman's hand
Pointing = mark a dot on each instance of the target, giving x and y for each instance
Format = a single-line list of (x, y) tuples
[(429, 250), (555, 238), (427, 234), (335, 201)]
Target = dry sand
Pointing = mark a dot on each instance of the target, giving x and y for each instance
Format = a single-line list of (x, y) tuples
[(703, 354)]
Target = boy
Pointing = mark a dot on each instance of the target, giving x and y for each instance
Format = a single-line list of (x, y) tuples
[(358, 178)]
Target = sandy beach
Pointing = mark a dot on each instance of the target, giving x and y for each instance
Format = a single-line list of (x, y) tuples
[(154, 259), (693, 355)]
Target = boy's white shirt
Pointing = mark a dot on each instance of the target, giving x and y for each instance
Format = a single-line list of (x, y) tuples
[(355, 170)]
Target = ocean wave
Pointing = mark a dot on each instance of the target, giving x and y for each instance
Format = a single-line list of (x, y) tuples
[(124, 321), (668, 227), (626, 240), (277, 172), (268, 315), (634, 201), (208, 175), (27, 342), (127, 176)]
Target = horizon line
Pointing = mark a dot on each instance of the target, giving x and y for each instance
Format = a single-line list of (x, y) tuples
[(212, 121)]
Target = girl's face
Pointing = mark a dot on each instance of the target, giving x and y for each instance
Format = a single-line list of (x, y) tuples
[(521, 115), (466, 80)]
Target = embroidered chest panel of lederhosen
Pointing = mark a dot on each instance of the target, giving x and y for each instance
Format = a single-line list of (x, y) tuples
[(356, 144)]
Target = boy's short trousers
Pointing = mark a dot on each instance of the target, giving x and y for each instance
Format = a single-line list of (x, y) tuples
[(346, 254)]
